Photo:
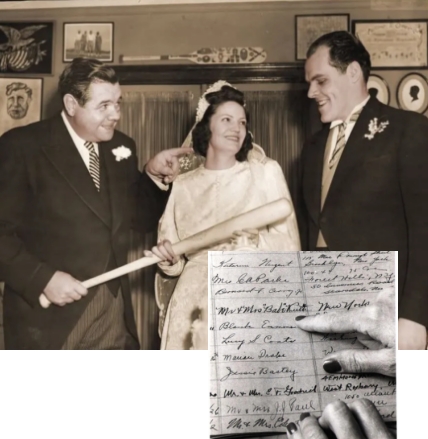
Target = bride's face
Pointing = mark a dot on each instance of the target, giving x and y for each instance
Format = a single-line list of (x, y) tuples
[(228, 128)]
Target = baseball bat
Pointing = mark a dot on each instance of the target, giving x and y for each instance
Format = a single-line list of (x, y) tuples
[(254, 219), (208, 55)]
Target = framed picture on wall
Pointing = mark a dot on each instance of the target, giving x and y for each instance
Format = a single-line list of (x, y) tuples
[(412, 93), (26, 47), (378, 88), (20, 102), (394, 44), (309, 27), (88, 40)]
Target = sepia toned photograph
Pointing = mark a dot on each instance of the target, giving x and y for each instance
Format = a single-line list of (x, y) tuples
[(26, 47), (394, 44), (88, 40), (309, 27), (20, 102)]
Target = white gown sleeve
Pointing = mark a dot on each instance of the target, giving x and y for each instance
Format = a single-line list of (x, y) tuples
[(168, 230), (283, 235)]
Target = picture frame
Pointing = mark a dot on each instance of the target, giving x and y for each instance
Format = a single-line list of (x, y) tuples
[(394, 44), (412, 93), (378, 88), (20, 101), (309, 27), (26, 47), (88, 40)]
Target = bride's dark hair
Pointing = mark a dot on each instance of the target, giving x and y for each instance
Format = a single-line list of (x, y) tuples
[(201, 134)]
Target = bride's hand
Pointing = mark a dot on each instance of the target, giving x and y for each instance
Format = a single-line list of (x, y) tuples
[(164, 252), (245, 237)]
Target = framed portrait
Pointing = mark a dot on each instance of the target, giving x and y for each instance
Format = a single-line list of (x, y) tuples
[(309, 27), (378, 88), (88, 40), (20, 102), (412, 93), (394, 44), (26, 47)]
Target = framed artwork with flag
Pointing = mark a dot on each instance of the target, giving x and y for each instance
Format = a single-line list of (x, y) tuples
[(26, 47)]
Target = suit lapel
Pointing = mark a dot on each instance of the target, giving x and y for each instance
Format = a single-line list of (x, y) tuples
[(115, 179), (355, 151), (63, 154), (313, 174)]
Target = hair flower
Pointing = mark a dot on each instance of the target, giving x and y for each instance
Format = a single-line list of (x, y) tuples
[(203, 104)]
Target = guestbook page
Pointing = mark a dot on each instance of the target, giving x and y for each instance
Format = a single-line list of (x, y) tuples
[(265, 371)]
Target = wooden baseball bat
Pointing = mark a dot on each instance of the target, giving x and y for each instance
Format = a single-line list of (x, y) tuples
[(254, 219), (208, 55)]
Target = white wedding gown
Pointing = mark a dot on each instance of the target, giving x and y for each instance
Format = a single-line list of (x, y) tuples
[(200, 199)]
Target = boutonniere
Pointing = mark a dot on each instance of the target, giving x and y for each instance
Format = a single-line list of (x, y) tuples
[(121, 153), (376, 127)]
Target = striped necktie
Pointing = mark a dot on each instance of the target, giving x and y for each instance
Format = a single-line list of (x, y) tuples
[(341, 140), (94, 165)]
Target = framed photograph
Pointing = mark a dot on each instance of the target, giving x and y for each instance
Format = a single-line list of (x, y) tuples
[(394, 44), (26, 47), (309, 27), (378, 88), (88, 40), (20, 102), (412, 93)]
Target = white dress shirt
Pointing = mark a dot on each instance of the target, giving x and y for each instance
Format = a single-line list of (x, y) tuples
[(79, 142)]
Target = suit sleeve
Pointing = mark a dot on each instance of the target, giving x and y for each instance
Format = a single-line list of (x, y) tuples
[(413, 174), (149, 199), (21, 270)]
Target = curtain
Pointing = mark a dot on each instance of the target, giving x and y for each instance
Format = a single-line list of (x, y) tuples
[(156, 121), (280, 123)]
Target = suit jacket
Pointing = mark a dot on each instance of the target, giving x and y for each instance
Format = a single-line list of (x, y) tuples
[(52, 218), (378, 199)]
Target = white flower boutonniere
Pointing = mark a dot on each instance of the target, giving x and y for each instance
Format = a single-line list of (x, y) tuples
[(375, 127), (121, 153)]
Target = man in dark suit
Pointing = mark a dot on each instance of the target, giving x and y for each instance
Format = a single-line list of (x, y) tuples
[(69, 191), (365, 175)]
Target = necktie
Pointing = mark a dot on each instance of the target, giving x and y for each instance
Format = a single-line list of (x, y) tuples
[(94, 165), (341, 140)]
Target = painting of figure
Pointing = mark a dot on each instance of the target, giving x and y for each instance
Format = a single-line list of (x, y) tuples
[(20, 102)]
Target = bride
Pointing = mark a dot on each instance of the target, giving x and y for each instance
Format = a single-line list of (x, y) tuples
[(235, 178)]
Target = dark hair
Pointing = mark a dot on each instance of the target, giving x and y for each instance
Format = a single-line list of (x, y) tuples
[(15, 86), (344, 48), (80, 74), (201, 134)]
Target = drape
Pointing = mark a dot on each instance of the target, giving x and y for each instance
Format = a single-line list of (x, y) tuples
[(156, 121), (279, 121)]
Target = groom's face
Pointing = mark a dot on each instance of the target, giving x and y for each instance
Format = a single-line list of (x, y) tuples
[(329, 87)]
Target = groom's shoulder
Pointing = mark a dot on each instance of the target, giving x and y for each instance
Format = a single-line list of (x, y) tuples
[(403, 118)]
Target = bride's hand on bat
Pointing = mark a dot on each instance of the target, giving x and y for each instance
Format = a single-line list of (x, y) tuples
[(164, 251)]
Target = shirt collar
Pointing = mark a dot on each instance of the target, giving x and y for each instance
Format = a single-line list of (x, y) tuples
[(358, 107), (78, 141)]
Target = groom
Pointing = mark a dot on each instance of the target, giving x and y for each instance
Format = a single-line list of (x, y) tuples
[(365, 175), (70, 191)]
